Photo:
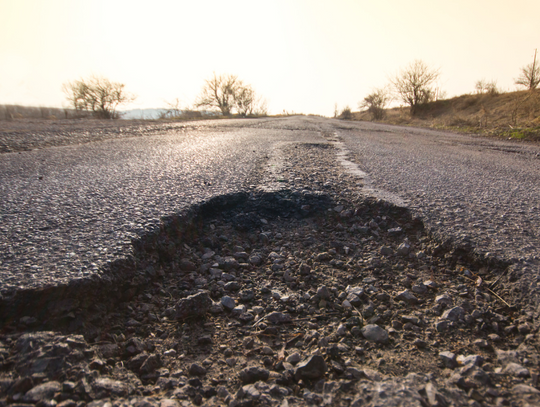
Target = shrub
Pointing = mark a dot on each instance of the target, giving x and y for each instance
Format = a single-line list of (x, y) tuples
[(346, 113), (375, 103)]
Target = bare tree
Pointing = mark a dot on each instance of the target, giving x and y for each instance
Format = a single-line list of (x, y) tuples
[(244, 100), (530, 75), (97, 95), (375, 103), (484, 86), (414, 84), (247, 103), (219, 92), (229, 94)]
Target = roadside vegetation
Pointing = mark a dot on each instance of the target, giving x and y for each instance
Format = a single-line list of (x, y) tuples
[(487, 110), (97, 95)]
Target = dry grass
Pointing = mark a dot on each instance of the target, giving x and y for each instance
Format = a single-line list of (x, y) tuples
[(513, 115)]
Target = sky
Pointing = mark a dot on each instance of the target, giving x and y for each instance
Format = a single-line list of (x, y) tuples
[(302, 56)]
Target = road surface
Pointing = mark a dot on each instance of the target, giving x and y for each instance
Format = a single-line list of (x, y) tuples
[(66, 211)]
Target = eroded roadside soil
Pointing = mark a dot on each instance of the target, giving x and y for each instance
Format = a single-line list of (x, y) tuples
[(309, 293)]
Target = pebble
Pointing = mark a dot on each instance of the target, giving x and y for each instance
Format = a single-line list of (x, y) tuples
[(403, 249), (312, 368), (481, 343), (454, 314), (253, 374), (193, 306), (476, 360), (323, 292), (228, 302), (278, 318), (196, 370), (516, 370), (444, 299), (43, 392), (342, 330), (294, 358), (448, 358), (375, 333), (407, 297)]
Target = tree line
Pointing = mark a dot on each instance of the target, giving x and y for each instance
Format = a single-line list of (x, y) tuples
[(225, 93), (415, 86)]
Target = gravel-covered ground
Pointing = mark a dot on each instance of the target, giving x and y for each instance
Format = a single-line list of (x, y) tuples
[(289, 285)]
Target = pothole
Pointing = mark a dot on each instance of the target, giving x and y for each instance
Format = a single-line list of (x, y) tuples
[(282, 298)]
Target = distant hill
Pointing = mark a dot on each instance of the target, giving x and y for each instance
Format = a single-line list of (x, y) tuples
[(144, 114)]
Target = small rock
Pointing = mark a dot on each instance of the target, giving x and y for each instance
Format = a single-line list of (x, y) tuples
[(507, 356), (294, 358), (325, 256), (253, 374), (310, 369), (193, 306), (105, 387), (255, 259), (524, 389), (187, 265), (406, 296), (404, 249), (394, 231), (278, 318), (151, 363), (419, 289), (228, 302), (454, 314), (476, 360), (205, 340), (246, 295), (516, 370), (238, 310), (232, 286), (43, 392), (432, 285), (442, 326), (323, 292), (304, 269), (353, 299), (444, 299), (419, 343), (196, 370), (386, 251), (375, 333), (342, 330), (448, 358), (481, 343)]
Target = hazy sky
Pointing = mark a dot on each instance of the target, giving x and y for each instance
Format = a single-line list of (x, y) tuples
[(301, 55)]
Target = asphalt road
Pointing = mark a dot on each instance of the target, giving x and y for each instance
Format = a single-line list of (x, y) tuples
[(65, 211)]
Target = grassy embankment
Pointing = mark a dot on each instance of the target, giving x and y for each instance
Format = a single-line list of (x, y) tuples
[(512, 115)]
